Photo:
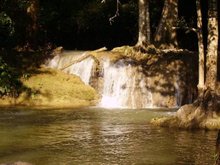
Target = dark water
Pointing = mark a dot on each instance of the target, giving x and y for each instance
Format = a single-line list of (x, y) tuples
[(99, 137)]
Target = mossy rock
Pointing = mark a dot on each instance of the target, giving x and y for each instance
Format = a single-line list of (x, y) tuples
[(53, 88)]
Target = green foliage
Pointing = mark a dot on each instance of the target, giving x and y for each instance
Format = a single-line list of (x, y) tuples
[(13, 22), (85, 24), (9, 83), (6, 24), (23, 4), (77, 24), (6, 28)]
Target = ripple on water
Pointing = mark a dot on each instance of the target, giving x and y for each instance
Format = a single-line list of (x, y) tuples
[(97, 136)]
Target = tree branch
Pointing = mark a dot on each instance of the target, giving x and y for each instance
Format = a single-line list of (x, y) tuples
[(111, 19), (188, 29)]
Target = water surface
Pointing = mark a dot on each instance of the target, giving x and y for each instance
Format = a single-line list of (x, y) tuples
[(99, 137)]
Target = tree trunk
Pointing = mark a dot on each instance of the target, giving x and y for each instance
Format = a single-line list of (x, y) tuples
[(166, 32), (204, 112), (144, 24), (217, 150), (212, 48), (201, 52), (32, 12)]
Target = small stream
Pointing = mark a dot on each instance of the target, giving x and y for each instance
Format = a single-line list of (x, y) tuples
[(94, 136)]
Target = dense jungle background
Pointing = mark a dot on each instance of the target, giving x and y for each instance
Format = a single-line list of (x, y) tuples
[(85, 24), (31, 28)]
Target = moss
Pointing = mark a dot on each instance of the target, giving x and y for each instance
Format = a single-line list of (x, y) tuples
[(131, 52), (166, 121), (50, 87), (126, 50)]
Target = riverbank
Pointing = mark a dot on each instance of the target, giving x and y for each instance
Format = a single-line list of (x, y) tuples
[(51, 88), (190, 117)]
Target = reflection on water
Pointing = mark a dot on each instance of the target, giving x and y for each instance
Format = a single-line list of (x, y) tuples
[(99, 137)]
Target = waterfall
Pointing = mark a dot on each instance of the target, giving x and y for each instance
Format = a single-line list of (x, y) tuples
[(178, 94), (124, 87), (83, 69), (124, 83)]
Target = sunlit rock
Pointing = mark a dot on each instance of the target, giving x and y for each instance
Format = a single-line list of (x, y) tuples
[(126, 82)]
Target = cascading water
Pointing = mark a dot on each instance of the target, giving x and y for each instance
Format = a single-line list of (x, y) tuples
[(178, 94), (124, 87), (122, 84), (83, 68)]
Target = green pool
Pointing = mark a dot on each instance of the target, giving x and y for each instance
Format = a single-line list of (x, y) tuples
[(95, 136)]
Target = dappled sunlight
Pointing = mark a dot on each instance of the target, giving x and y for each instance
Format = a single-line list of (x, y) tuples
[(54, 88), (134, 79), (123, 85)]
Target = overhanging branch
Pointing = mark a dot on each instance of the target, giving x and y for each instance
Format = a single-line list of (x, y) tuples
[(111, 19)]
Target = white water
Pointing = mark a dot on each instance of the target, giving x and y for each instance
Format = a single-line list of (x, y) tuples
[(123, 84), (124, 87), (178, 94), (82, 69)]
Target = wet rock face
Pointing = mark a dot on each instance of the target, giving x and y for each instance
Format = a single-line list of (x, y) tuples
[(169, 83), (167, 80), (129, 84), (124, 86)]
